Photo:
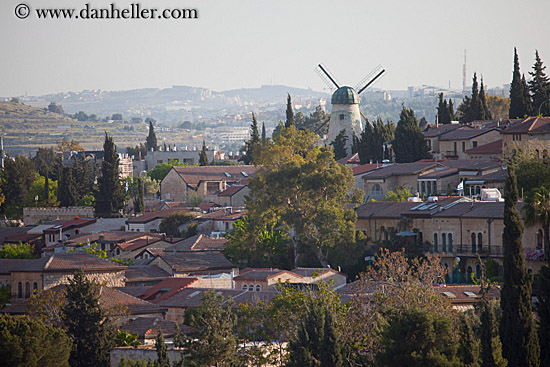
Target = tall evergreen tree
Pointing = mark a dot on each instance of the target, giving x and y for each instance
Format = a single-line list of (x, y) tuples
[(527, 97), (252, 143), (517, 329), (46, 188), (468, 345), (151, 141), (409, 144), (203, 158), (66, 188), (289, 112), (543, 310), (87, 323), (339, 145), (475, 103), (370, 146), (162, 351), (539, 86), (485, 113), (491, 347), (139, 200), (519, 106), (264, 138), (110, 196)]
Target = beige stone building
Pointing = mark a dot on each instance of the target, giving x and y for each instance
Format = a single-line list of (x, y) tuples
[(530, 135), (182, 183), (455, 143)]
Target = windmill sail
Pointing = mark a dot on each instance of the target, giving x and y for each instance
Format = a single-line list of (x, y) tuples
[(371, 77)]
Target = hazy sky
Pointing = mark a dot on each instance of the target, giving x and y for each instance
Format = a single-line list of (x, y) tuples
[(247, 43)]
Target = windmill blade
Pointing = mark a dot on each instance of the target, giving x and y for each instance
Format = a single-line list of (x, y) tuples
[(369, 79), (365, 118), (329, 80), (322, 125)]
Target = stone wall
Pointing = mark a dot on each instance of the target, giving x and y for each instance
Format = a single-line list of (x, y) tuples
[(140, 353), (173, 188), (33, 216)]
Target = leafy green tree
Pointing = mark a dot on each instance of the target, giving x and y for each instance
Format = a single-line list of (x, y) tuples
[(214, 343), (126, 339), (5, 295), (445, 113), (498, 106), (171, 224), (517, 329), (520, 106), (370, 146), (17, 251), (161, 170), (468, 344), (137, 151), (485, 112), (417, 337), (303, 188), (203, 158), (84, 173), (17, 177), (401, 194), (289, 112), (491, 347), (264, 139), (65, 145), (409, 144), (151, 142), (28, 343), (87, 323), (539, 86), (537, 211), (316, 122), (543, 310), (47, 306), (66, 189), (37, 189), (474, 107), (339, 145), (109, 199)]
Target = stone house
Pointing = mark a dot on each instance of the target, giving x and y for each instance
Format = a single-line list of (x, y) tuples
[(530, 135), (433, 133), (150, 221), (62, 230), (205, 182), (41, 274), (492, 150), (359, 171), (453, 144), (220, 221), (183, 264), (257, 280), (234, 195)]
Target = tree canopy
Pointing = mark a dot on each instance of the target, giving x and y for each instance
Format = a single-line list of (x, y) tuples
[(409, 143)]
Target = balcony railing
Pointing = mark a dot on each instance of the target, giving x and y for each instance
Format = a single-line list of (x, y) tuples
[(464, 249)]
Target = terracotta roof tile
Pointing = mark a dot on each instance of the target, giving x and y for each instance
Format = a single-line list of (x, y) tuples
[(136, 273), (149, 327), (232, 190), (494, 147), (398, 169), (365, 168), (464, 133), (167, 288), (68, 262), (529, 125), (197, 261)]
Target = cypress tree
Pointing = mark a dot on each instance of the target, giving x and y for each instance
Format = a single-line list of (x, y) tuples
[(543, 310), (339, 145), (409, 142), (203, 158), (539, 86), (139, 201), (250, 145), (264, 139), (87, 323), (289, 112), (162, 352), (526, 97), (46, 188), (66, 189), (518, 103), (110, 196), (491, 348), (151, 141), (475, 103), (331, 355), (517, 329), (468, 345), (485, 113)]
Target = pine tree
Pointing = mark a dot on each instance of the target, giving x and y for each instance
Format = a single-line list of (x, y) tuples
[(527, 97), (475, 102), (139, 200), (252, 143), (264, 139), (87, 323), (289, 112), (443, 116), (409, 144), (518, 104), (331, 355), (485, 113), (539, 86), (110, 196), (162, 352), (491, 347), (517, 329), (543, 310), (151, 141), (66, 189), (468, 345), (339, 145), (203, 158)]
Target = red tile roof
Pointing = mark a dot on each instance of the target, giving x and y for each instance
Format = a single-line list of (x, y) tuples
[(263, 274), (494, 147), (365, 168), (232, 190), (197, 261), (149, 327), (399, 169), (68, 262), (137, 273), (150, 216), (65, 225), (529, 125), (167, 288)]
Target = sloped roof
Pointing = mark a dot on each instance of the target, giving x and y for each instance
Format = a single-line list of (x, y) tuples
[(529, 125), (384, 209), (110, 237), (439, 173), (192, 297), (199, 242), (399, 169), (149, 327), (232, 190), (167, 288), (263, 274), (7, 265), (194, 175), (432, 131), (161, 214), (65, 225), (494, 147), (472, 164), (464, 133), (136, 273), (68, 262), (197, 261), (309, 272), (365, 168)]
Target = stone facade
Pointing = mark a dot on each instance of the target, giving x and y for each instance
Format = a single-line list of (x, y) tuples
[(173, 188), (35, 216), (457, 147)]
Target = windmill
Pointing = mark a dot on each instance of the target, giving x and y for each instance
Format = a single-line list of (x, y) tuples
[(345, 113)]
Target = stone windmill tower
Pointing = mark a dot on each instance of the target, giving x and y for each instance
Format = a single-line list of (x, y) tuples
[(345, 100)]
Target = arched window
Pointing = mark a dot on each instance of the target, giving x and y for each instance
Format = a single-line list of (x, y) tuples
[(20, 290), (443, 242), (423, 187), (435, 242), (34, 287), (434, 188), (245, 287), (478, 190), (473, 243), (258, 288), (450, 242), (479, 241), (251, 287), (376, 191), (118, 251), (478, 271), (469, 272), (539, 239), (27, 289)]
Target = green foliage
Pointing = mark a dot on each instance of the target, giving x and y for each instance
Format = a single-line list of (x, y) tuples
[(537, 211), (417, 337), (86, 200), (517, 330), (468, 344), (498, 107), (253, 144), (17, 177), (87, 323), (5, 295), (162, 352), (543, 310), (47, 307), (491, 347), (28, 343), (214, 342), (402, 194), (289, 113), (139, 197), (370, 146), (409, 144), (110, 196), (126, 339), (161, 170), (339, 145), (445, 111), (474, 107), (315, 122), (137, 151), (17, 251), (203, 158), (171, 224), (66, 191), (520, 104), (151, 141), (539, 86), (37, 189)]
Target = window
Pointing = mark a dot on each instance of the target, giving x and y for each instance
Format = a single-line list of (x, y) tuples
[(434, 188), (479, 241), (19, 290), (244, 287), (35, 287), (450, 242), (27, 290), (435, 242), (423, 187), (443, 242), (258, 288), (473, 236), (455, 147), (376, 191), (474, 144), (118, 251), (539, 239), (342, 116), (463, 146), (251, 287), (76, 231)]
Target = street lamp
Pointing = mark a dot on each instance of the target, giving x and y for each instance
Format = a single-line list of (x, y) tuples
[(457, 259), (542, 104)]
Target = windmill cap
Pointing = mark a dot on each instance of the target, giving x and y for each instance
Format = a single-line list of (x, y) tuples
[(345, 95)]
